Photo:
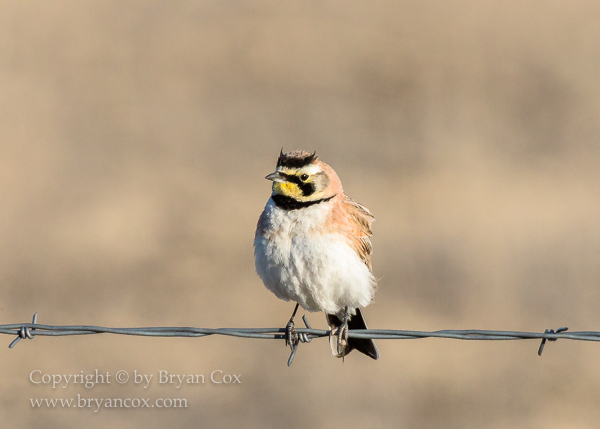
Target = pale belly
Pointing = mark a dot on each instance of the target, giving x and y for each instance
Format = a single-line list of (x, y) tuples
[(320, 272)]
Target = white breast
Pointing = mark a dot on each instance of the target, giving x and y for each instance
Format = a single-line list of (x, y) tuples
[(297, 262)]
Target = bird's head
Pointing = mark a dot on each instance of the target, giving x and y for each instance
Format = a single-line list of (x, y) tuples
[(302, 177)]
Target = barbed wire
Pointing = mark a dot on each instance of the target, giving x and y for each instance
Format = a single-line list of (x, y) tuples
[(29, 330)]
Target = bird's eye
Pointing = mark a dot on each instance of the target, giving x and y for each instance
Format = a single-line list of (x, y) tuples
[(304, 177)]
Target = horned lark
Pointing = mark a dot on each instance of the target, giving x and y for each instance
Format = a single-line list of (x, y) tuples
[(312, 246)]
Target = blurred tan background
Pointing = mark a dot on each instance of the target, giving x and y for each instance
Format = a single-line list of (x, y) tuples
[(134, 141)]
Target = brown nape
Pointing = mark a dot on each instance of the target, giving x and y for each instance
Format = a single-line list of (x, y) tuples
[(296, 159)]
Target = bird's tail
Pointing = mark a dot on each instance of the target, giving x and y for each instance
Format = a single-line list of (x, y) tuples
[(363, 345)]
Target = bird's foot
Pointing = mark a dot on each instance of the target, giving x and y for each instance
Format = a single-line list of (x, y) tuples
[(291, 336), (340, 335)]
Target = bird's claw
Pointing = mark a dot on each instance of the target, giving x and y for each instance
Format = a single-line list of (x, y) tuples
[(339, 336), (292, 339), (342, 334), (291, 336)]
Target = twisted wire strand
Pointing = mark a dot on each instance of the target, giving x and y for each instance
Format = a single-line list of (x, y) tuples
[(305, 335), (29, 330), (277, 333)]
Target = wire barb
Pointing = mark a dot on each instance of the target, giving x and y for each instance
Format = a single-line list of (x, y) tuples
[(24, 332), (550, 331), (304, 337)]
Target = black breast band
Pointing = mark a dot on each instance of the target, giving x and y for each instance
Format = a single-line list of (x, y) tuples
[(288, 203)]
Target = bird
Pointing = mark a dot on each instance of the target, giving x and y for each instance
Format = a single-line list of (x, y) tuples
[(312, 246)]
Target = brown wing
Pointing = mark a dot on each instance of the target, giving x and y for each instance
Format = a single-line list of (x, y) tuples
[(360, 219)]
